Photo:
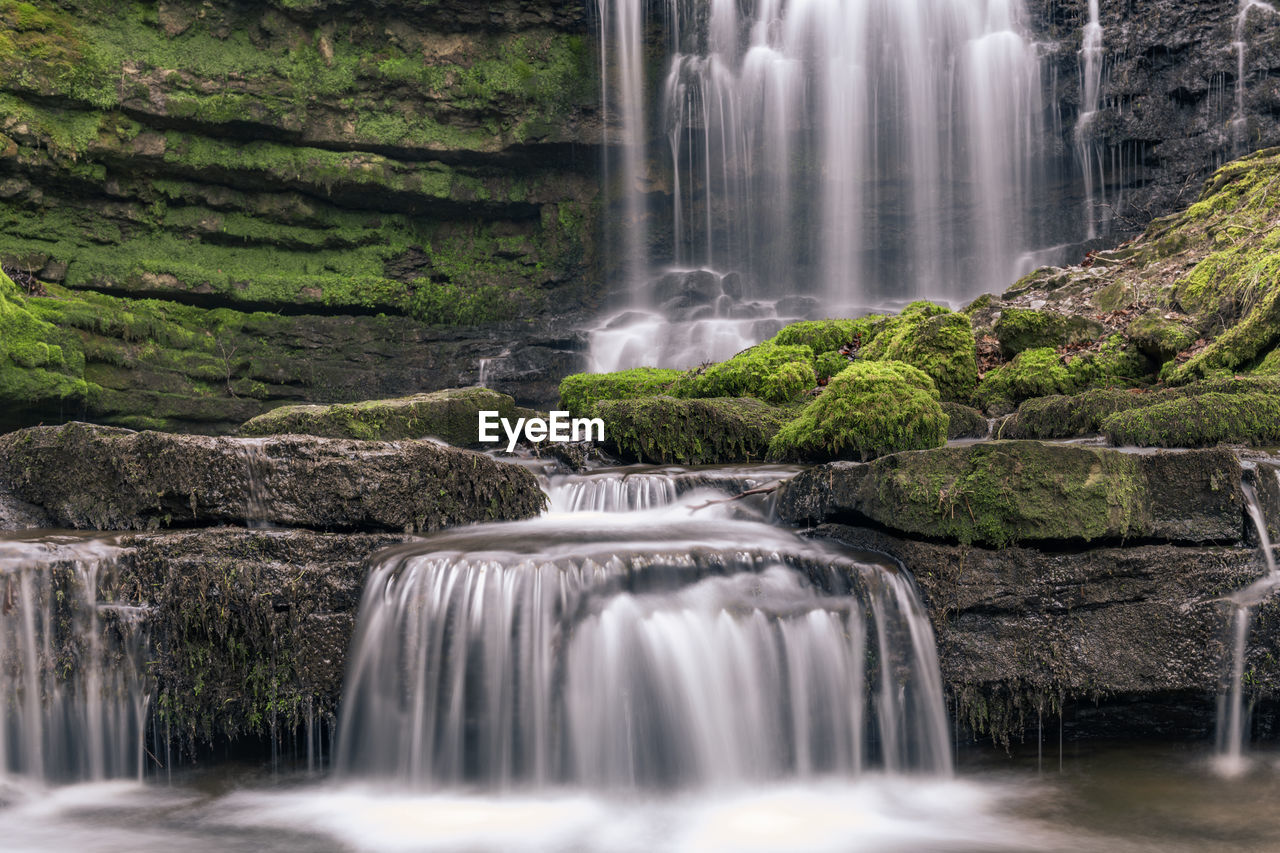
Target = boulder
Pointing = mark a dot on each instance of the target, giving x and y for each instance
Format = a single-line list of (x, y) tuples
[(665, 430), (1006, 492), (452, 416), (106, 478)]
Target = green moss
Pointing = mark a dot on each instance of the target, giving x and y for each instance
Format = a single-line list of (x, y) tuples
[(867, 410), (935, 340), (666, 430), (1020, 329), (964, 422), (1060, 416), (998, 493), (1033, 373), (823, 336), (451, 415), (41, 366), (771, 372), (1160, 338), (1203, 420), (580, 392), (828, 364)]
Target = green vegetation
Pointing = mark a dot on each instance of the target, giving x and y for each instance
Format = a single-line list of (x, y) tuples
[(580, 392), (1020, 329), (1042, 372), (666, 430), (1202, 420), (867, 410), (935, 340), (964, 421), (771, 372), (451, 415), (41, 366), (1001, 492)]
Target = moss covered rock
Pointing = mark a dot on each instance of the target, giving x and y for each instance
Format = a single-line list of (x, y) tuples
[(41, 366), (829, 335), (770, 372), (964, 421), (665, 430), (867, 410), (580, 392), (935, 340), (107, 478), (1000, 493), (1043, 371), (1020, 329), (1061, 416), (1201, 420), (451, 415)]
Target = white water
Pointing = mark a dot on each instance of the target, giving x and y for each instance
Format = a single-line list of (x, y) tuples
[(1232, 738), (74, 693), (848, 152), (1088, 152), (1239, 44), (637, 649), (622, 25), (257, 513)]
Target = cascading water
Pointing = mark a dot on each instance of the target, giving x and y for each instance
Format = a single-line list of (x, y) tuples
[(75, 695), (1231, 736), (643, 648), (1239, 124), (1087, 150), (833, 156)]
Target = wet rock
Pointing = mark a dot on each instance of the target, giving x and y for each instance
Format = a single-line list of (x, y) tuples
[(1020, 628), (107, 478), (798, 306), (664, 430), (966, 422), (249, 629), (688, 288), (1007, 492), (17, 514)]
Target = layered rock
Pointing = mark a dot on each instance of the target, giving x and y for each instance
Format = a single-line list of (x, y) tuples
[(112, 479), (325, 160), (1000, 493), (1026, 634)]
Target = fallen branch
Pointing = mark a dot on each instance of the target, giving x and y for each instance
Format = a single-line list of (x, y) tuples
[(762, 490)]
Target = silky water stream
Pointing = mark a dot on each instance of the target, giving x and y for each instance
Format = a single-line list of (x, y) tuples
[(648, 666)]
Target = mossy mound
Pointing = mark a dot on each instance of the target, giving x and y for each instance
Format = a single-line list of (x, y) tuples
[(965, 421), (770, 372), (823, 336), (580, 392), (1062, 416), (1043, 371), (867, 410), (449, 415), (935, 340), (1160, 338), (665, 430), (1202, 420), (1020, 329)]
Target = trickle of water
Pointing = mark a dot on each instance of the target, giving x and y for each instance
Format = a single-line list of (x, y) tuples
[(1087, 150), (1231, 735), (1239, 123), (71, 674), (256, 510)]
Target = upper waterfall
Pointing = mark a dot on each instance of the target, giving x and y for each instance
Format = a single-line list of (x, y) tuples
[(854, 153)]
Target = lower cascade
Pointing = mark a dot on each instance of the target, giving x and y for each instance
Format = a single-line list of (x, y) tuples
[(637, 649), (71, 668)]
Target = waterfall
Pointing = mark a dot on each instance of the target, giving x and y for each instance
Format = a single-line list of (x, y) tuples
[(833, 156), (1088, 151), (71, 664), (622, 72), (1231, 736), (257, 515), (641, 649), (1239, 123)]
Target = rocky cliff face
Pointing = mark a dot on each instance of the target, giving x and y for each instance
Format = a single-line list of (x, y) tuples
[(1170, 82), (401, 166)]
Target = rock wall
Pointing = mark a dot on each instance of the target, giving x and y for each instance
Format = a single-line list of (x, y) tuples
[(1170, 73), (377, 172)]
